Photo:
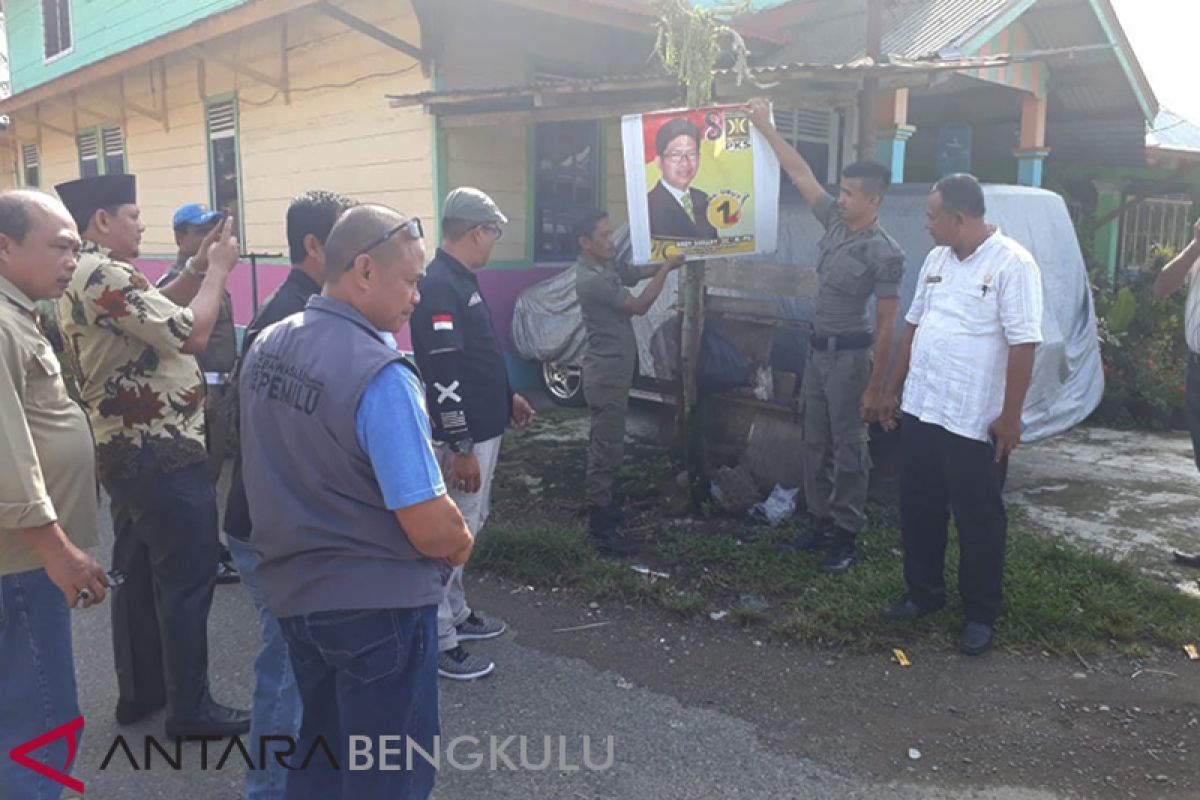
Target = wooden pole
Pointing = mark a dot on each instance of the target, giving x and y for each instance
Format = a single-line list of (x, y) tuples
[(691, 423), (870, 86)]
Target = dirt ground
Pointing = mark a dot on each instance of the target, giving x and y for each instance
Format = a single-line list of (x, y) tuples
[(1109, 726)]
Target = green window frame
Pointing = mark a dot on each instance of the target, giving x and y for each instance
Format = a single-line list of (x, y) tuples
[(101, 151), (223, 144), (31, 166)]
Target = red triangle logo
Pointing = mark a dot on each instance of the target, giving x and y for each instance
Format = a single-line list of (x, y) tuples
[(70, 732)]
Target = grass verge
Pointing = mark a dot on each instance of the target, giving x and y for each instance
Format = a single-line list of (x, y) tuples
[(1060, 598)]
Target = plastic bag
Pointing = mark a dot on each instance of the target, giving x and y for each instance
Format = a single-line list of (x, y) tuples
[(721, 366), (775, 509)]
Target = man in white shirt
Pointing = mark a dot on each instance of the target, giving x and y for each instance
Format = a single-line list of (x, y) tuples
[(1174, 276), (965, 362)]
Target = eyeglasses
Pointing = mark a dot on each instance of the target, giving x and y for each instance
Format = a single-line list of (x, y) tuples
[(410, 226), (492, 227), (675, 156)]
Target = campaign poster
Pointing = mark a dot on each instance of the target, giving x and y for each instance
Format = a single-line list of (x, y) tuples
[(704, 183)]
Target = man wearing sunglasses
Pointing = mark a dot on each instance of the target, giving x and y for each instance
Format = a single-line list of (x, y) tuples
[(469, 397), (351, 517)]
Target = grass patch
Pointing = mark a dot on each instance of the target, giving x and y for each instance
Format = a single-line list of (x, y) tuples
[(1059, 598)]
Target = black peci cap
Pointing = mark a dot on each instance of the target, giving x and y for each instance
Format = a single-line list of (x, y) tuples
[(84, 197)]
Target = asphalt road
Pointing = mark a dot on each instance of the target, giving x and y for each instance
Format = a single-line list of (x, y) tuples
[(662, 749)]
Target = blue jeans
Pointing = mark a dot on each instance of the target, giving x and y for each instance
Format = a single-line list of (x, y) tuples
[(366, 673), (276, 709), (37, 681)]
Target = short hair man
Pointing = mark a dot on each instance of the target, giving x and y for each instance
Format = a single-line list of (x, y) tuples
[(1180, 273), (191, 224), (468, 391), (965, 361), (48, 485), (609, 361), (678, 211), (276, 707), (842, 385), (351, 516), (134, 349)]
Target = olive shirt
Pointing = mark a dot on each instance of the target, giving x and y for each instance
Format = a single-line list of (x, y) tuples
[(220, 354), (853, 266), (141, 391), (611, 345), (49, 472)]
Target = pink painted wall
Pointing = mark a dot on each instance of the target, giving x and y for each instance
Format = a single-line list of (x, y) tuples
[(500, 287)]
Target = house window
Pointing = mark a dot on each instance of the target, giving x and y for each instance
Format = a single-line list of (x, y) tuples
[(1164, 222), (223, 177), (811, 132), (566, 184), (101, 151), (32, 165), (56, 27)]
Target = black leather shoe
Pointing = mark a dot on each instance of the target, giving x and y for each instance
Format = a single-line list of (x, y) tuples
[(129, 713), (214, 719), (975, 638), (610, 544), (841, 557), (227, 573), (1187, 559), (818, 536), (906, 608)]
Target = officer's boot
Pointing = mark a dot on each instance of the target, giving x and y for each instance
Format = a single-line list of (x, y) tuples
[(842, 553), (817, 536), (602, 528)]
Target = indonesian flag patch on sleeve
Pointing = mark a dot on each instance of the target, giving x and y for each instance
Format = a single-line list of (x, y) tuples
[(443, 322)]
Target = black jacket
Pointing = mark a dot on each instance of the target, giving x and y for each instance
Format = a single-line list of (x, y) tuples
[(668, 220)]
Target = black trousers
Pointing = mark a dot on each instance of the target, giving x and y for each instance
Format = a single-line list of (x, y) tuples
[(1193, 403), (165, 526), (943, 472)]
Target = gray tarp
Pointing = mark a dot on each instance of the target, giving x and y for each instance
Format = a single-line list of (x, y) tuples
[(1068, 378)]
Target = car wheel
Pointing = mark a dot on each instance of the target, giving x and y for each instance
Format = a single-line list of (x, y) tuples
[(563, 383)]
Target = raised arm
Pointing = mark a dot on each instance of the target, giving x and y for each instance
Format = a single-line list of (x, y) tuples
[(1174, 275), (793, 163)]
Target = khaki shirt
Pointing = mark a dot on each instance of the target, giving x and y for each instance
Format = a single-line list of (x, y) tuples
[(611, 346), (49, 472), (853, 266), (141, 391), (220, 354)]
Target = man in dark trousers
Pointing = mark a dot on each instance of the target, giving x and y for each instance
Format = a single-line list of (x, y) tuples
[(351, 516), (609, 359), (134, 349), (191, 224), (842, 383), (1181, 273), (965, 361), (469, 398), (276, 707), (678, 211)]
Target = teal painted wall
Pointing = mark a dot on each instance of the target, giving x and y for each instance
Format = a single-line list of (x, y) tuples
[(99, 28)]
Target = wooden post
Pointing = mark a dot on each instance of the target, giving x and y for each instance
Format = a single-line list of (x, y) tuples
[(866, 97), (691, 421)]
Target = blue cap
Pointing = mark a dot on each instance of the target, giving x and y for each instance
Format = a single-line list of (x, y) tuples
[(194, 214)]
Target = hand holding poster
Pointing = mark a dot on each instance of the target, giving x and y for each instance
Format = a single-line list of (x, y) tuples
[(701, 183)]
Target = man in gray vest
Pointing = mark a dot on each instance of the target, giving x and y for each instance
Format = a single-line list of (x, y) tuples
[(352, 519), (842, 389)]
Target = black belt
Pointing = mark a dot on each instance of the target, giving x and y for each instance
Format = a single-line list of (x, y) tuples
[(845, 341)]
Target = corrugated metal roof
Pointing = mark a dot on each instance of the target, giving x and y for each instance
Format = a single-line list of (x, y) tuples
[(912, 29), (1172, 132)]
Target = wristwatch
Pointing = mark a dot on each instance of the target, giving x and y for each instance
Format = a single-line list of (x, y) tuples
[(463, 447), (189, 268)]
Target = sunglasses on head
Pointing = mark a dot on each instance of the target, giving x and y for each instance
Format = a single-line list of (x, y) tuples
[(410, 226)]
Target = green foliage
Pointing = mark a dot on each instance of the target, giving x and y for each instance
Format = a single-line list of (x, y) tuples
[(691, 40), (1144, 352)]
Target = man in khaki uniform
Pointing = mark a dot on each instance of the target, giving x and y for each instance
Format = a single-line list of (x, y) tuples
[(144, 393), (609, 360), (842, 389), (47, 496)]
